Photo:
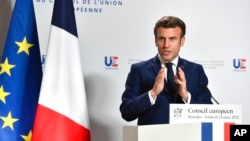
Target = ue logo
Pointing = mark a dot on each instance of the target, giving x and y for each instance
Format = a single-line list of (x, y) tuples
[(111, 61), (43, 59), (239, 63)]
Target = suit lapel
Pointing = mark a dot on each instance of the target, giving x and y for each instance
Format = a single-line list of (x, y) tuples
[(156, 64)]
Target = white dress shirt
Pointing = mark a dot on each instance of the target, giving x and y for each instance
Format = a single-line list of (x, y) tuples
[(174, 62)]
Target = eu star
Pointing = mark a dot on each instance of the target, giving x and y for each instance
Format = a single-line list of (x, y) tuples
[(5, 67), (3, 94), (24, 46), (8, 121), (27, 137)]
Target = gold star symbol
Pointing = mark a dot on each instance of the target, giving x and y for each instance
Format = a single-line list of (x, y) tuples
[(8, 121), (24, 46), (27, 137), (5, 67), (3, 94)]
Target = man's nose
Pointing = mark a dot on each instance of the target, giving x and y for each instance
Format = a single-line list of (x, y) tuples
[(166, 43)]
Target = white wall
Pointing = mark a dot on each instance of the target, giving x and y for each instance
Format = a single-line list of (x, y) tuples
[(218, 32)]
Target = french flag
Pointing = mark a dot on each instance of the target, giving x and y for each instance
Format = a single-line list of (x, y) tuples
[(62, 108)]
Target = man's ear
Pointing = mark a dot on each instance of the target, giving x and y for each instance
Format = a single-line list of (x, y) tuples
[(183, 39)]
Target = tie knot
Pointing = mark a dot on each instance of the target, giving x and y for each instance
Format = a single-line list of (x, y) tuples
[(169, 65)]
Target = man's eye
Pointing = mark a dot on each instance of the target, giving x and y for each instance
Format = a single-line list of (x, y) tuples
[(161, 39), (172, 39)]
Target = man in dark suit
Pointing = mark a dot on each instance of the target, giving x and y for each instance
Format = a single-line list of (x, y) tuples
[(148, 94)]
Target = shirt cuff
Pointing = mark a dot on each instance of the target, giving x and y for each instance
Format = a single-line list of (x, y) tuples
[(152, 100), (189, 99)]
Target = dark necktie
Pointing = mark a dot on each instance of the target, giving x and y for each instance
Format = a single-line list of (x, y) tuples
[(170, 74), (170, 81)]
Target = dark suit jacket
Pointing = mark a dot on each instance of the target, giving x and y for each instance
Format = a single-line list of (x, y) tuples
[(141, 78)]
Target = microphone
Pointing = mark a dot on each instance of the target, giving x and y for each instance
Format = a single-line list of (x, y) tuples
[(205, 88)]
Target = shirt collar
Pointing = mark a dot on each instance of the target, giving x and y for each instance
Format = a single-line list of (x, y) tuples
[(175, 61)]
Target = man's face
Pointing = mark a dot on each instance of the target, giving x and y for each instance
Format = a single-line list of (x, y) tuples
[(169, 42)]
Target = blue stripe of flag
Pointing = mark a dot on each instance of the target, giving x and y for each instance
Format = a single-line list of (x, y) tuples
[(63, 16), (207, 131)]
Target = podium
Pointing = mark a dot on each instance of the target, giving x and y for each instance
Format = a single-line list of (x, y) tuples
[(189, 122), (168, 132)]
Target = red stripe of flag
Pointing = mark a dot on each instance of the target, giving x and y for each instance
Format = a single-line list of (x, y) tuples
[(227, 131), (51, 121)]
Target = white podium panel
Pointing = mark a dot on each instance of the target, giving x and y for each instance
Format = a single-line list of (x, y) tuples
[(220, 115), (189, 113), (171, 132), (190, 122)]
